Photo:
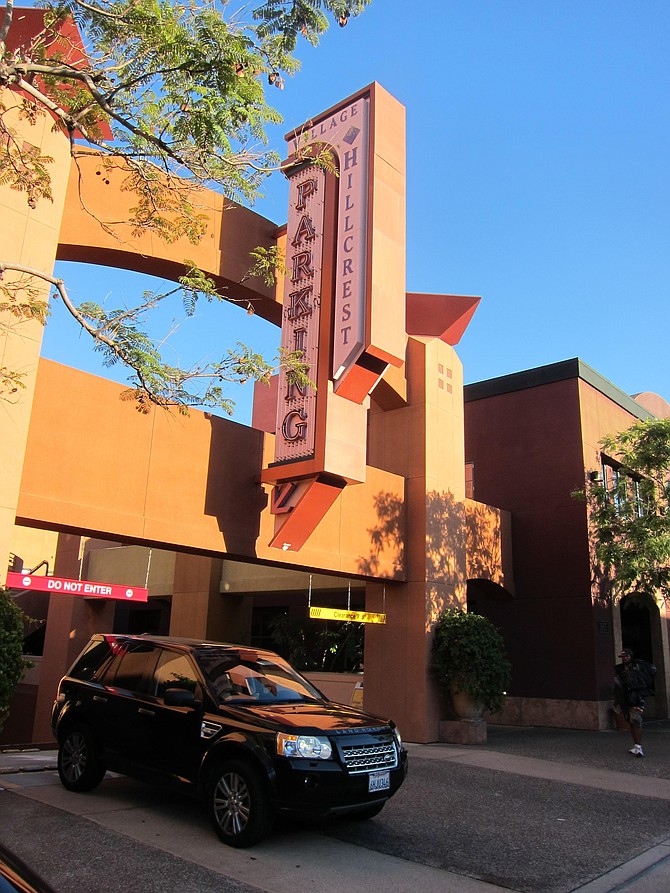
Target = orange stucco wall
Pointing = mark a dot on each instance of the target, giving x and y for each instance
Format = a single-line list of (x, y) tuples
[(95, 464), (599, 417)]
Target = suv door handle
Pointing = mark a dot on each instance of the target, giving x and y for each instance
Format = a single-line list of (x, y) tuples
[(98, 698), (146, 712)]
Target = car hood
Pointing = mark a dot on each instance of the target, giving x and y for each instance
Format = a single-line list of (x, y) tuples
[(324, 717)]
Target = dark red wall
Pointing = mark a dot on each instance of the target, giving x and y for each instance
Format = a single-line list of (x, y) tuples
[(526, 446)]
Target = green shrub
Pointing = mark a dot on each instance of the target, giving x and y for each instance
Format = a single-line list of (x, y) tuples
[(469, 656), (12, 664)]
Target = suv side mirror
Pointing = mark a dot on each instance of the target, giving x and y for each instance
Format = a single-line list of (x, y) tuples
[(179, 697)]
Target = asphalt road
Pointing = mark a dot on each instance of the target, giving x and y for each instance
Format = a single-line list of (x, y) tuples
[(543, 811)]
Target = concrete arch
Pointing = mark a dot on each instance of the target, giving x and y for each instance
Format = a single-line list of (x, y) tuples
[(93, 230)]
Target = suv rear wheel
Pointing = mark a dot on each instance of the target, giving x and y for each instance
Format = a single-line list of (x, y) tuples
[(239, 805), (79, 766)]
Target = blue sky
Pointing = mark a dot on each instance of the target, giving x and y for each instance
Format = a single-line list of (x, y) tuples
[(538, 158)]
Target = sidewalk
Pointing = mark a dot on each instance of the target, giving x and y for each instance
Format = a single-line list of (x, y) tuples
[(538, 774), (27, 759)]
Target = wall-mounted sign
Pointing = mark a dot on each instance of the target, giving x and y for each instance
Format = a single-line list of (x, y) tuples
[(296, 409), (86, 588), (343, 302), (339, 614)]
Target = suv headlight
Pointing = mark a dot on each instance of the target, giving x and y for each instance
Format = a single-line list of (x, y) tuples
[(307, 746), (398, 740)]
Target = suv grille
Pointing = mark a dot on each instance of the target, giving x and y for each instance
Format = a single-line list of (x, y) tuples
[(370, 756)]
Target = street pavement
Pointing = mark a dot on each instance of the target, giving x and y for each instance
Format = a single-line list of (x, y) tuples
[(533, 811)]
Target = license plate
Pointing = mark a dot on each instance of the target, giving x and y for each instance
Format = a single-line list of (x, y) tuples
[(379, 781)]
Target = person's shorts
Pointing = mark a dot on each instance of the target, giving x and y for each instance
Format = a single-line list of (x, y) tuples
[(632, 715)]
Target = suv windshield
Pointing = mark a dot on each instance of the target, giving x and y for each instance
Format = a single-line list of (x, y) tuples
[(242, 674)]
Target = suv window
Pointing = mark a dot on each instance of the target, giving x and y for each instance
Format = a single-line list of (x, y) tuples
[(135, 667), (92, 661), (175, 671), (240, 674)]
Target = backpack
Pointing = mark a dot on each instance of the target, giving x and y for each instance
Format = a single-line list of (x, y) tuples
[(647, 671)]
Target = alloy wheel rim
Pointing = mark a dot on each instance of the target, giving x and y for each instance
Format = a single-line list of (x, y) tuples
[(74, 756), (232, 804)]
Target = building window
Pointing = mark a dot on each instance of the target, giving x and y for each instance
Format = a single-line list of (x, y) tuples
[(624, 489), (469, 480)]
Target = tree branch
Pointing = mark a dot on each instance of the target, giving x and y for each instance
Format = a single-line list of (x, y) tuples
[(6, 23), (59, 285)]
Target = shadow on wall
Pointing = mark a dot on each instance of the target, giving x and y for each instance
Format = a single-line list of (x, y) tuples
[(442, 547), (445, 554), (602, 580), (387, 539), (237, 499), (483, 543)]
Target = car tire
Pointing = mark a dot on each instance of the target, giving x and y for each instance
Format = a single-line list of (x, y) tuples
[(362, 815), (239, 804), (79, 766)]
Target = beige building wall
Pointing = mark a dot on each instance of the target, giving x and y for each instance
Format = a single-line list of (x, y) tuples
[(30, 546), (29, 238), (600, 417)]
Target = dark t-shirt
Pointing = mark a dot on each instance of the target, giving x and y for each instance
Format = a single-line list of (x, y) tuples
[(632, 685)]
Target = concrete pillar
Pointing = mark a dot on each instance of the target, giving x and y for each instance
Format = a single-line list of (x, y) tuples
[(424, 441), (72, 620), (659, 641), (200, 610)]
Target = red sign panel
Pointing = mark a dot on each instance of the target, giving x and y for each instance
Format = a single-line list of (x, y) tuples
[(87, 588), (296, 410)]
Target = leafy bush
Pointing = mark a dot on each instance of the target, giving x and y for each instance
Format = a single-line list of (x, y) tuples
[(469, 656), (12, 664)]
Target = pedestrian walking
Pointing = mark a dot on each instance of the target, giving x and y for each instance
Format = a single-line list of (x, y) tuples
[(630, 689)]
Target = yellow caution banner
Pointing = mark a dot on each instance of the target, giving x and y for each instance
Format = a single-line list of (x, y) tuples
[(339, 614)]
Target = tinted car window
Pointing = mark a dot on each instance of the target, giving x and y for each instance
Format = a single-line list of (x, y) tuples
[(92, 661), (136, 666), (242, 675), (174, 671)]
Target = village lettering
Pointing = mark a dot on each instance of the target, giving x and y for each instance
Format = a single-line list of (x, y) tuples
[(326, 129)]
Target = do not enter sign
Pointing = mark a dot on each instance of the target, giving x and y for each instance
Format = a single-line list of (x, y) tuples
[(86, 588)]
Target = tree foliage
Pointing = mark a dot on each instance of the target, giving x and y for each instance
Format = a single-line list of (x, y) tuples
[(629, 511), (331, 646), (12, 664), (174, 95)]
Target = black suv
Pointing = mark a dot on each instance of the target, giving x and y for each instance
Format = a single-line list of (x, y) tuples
[(236, 725)]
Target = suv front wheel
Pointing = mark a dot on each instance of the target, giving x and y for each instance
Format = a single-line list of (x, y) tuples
[(239, 805), (79, 766)]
